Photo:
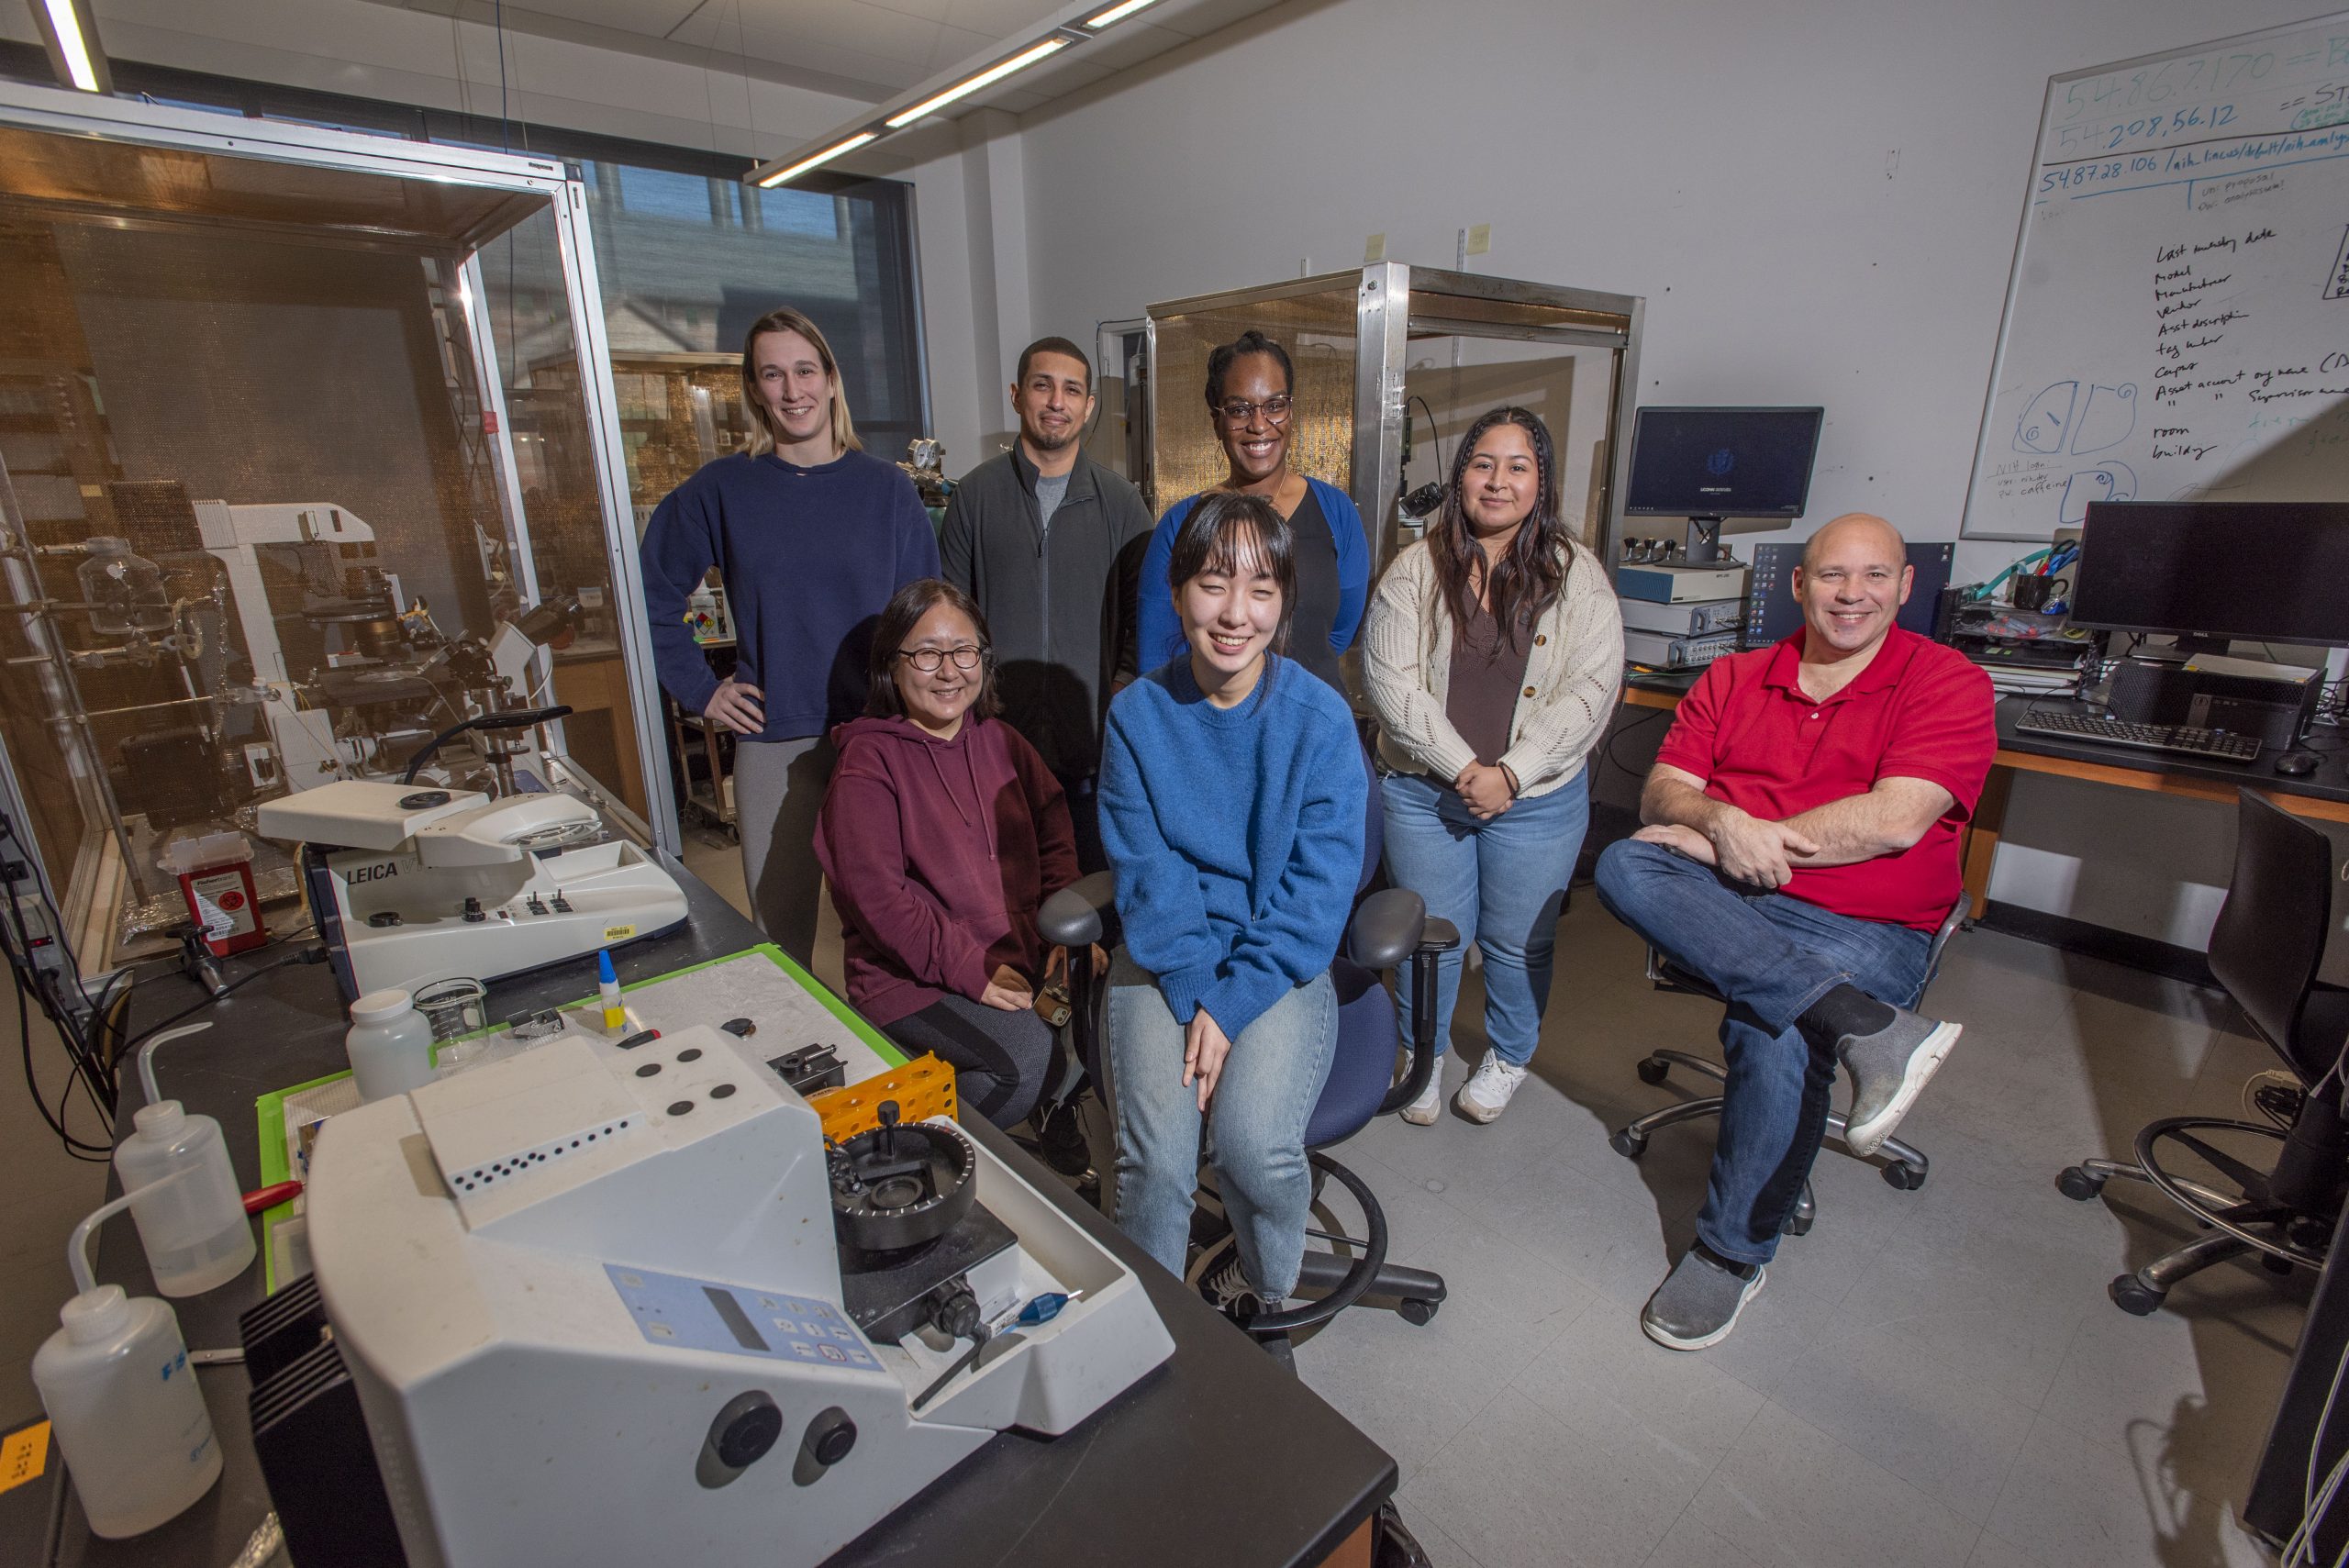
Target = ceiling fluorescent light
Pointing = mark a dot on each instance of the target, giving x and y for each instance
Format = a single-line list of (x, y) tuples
[(1118, 13), (993, 73), (850, 145), (76, 48)]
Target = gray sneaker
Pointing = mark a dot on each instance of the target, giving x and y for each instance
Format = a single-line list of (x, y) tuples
[(1889, 1069), (1697, 1303)]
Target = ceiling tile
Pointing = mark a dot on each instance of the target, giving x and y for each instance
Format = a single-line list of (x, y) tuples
[(1001, 18), (653, 18)]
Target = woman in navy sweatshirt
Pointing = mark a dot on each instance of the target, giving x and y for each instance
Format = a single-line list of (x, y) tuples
[(812, 535), (941, 835), (1232, 803)]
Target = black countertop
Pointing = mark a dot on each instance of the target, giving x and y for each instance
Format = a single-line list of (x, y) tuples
[(2330, 747), (1217, 1455)]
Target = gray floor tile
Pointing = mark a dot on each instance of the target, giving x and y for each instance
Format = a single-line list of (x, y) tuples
[(1521, 1489), (1413, 1388), (1441, 1549), (1929, 1424), (1788, 1494), (1690, 1543), (1992, 1551), (1605, 1379), (2078, 1504)]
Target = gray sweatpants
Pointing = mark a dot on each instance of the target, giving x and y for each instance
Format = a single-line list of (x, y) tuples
[(778, 789)]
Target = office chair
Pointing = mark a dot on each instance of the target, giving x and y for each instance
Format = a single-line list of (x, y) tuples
[(2265, 950), (1908, 1167), (1387, 929)]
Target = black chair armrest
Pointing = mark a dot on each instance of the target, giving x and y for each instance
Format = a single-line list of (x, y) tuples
[(1079, 914), (1386, 928)]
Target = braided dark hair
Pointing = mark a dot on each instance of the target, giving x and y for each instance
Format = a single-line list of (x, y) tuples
[(1526, 581)]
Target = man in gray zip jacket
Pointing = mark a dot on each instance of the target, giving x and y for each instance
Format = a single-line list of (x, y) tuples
[(1031, 535)]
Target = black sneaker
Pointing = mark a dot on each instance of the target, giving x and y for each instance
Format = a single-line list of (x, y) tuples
[(1228, 1291), (1889, 1069), (1698, 1304)]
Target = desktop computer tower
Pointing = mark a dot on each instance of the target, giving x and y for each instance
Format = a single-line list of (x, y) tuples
[(2275, 712)]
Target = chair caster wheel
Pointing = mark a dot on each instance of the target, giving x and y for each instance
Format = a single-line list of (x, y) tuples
[(2078, 1184), (1418, 1312), (2275, 1265), (1653, 1068), (2134, 1296), (1629, 1144), (1798, 1225), (1908, 1178)]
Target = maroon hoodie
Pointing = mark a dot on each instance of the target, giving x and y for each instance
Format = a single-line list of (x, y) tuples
[(939, 853)]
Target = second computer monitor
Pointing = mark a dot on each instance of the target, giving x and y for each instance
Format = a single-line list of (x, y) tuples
[(1772, 612), (2256, 571)]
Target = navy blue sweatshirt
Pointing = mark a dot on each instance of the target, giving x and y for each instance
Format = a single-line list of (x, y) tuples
[(809, 556)]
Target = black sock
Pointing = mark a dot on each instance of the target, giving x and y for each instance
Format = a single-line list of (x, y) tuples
[(1845, 1010), (1742, 1271)]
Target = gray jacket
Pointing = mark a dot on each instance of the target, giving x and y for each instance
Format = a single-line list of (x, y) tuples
[(1042, 591)]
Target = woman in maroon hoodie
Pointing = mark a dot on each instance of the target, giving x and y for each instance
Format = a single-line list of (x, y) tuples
[(941, 836)]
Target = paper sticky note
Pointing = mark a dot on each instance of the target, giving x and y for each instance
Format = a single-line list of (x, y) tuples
[(23, 1456)]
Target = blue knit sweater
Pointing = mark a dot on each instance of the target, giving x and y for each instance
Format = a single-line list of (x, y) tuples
[(1236, 833), (809, 556)]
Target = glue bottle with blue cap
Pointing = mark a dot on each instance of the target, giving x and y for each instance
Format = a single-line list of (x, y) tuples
[(607, 986)]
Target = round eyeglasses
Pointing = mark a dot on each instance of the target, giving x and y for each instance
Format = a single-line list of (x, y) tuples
[(929, 660), (1239, 410)]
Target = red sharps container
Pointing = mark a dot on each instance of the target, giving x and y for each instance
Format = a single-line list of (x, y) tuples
[(216, 874)]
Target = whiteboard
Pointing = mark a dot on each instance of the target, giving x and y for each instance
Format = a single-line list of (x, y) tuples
[(2177, 320)]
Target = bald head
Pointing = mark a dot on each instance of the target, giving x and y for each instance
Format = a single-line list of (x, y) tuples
[(1864, 530)]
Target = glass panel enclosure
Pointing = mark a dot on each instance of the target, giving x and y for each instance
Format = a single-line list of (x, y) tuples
[(268, 521)]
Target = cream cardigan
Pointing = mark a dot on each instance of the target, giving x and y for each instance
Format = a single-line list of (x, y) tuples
[(1572, 674)]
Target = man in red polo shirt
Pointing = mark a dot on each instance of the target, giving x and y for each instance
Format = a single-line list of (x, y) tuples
[(1801, 847)]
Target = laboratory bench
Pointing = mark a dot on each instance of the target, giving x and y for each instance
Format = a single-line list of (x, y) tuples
[(1218, 1454)]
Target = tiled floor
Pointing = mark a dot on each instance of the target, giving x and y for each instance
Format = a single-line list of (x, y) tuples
[(1930, 1378)]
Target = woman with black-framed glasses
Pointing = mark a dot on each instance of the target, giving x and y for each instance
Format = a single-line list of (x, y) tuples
[(941, 835), (1250, 395)]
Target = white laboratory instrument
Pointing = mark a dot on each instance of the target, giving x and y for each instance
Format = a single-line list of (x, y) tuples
[(593, 1307), (410, 884)]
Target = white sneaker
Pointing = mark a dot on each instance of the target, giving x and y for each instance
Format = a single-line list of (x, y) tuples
[(1421, 1112), (1486, 1094)]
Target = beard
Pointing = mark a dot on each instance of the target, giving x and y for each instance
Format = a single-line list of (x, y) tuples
[(1048, 443)]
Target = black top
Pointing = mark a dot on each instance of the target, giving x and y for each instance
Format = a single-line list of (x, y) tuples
[(1133, 1475), (1487, 671), (1315, 613)]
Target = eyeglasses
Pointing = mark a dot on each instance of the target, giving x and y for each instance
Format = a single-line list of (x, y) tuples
[(1239, 411), (928, 660)]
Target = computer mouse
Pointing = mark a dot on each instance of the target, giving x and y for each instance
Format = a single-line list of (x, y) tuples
[(2296, 764)]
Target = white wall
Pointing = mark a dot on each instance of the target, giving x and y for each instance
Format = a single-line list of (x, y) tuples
[(1819, 199)]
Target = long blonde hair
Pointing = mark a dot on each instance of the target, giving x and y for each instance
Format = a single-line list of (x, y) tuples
[(782, 318)]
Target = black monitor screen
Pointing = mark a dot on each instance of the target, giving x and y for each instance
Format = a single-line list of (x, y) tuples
[(2259, 571), (1721, 463)]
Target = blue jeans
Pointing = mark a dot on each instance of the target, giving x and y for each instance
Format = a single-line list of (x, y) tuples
[(1773, 957), (1255, 1124), (1500, 882)]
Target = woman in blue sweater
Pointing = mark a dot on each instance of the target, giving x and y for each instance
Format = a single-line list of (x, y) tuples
[(1232, 802), (812, 536), (1251, 387)]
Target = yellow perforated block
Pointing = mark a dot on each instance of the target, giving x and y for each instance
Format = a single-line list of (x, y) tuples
[(923, 1088)]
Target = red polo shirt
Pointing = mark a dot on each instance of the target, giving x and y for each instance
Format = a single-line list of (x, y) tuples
[(1920, 710)]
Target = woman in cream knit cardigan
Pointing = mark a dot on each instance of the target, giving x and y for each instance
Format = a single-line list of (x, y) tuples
[(1493, 651)]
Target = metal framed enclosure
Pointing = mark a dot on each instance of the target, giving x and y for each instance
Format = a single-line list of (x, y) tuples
[(268, 281)]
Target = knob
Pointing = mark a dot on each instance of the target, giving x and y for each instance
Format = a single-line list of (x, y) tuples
[(740, 1434), (472, 911), (829, 1437), (384, 917)]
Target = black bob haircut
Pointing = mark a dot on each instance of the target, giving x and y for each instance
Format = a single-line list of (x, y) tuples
[(1224, 530), (1248, 343), (898, 618), (1053, 346)]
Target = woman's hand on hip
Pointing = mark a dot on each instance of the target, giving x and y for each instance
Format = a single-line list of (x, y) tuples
[(1204, 1045), (737, 705)]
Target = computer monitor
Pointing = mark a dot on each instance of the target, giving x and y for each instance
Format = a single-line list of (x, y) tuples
[(2213, 571), (1707, 464), (1772, 612)]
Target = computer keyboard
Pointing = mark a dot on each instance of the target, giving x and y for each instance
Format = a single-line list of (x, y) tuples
[(2218, 745)]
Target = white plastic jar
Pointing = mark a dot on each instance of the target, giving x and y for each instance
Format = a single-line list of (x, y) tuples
[(195, 1232), (390, 1045), (123, 1406)]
